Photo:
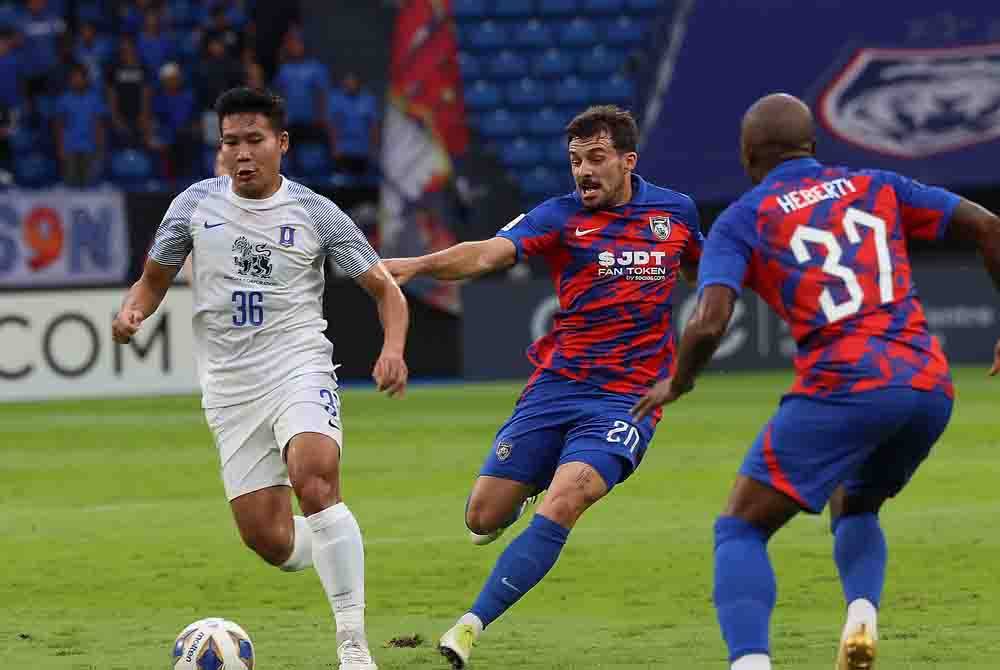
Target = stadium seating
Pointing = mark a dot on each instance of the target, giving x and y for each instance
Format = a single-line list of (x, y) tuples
[(557, 7), (508, 64), (482, 94), (579, 32), (488, 35), (533, 33), (511, 8), (574, 91), (500, 123), (546, 122), (132, 168), (526, 93), (553, 63), (625, 31), (521, 153), (600, 61), (470, 10), (531, 65), (603, 6)]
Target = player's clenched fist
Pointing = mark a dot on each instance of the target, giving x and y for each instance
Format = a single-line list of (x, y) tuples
[(996, 360), (401, 269), (125, 325), (390, 374)]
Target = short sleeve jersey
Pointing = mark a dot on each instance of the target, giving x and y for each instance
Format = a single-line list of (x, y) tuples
[(825, 247), (614, 272), (258, 278)]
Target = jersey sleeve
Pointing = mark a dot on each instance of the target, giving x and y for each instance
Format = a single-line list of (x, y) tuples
[(925, 211), (728, 249), (172, 242), (696, 244), (341, 238), (534, 233)]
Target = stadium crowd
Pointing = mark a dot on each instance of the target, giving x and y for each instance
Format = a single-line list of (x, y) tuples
[(122, 91)]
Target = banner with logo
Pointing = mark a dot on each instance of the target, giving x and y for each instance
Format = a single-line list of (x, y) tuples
[(501, 319), (912, 87), (424, 132), (57, 344), (62, 237)]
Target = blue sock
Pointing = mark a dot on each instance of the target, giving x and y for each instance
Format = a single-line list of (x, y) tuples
[(745, 590), (860, 552), (521, 565)]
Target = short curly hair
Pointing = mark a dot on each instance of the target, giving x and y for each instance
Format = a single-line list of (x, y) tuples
[(618, 123)]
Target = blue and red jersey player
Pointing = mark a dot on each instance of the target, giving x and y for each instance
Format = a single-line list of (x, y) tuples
[(825, 247), (615, 248)]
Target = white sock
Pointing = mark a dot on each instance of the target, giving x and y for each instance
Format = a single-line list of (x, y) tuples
[(861, 611), (302, 547), (339, 558), (473, 620), (752, 662)]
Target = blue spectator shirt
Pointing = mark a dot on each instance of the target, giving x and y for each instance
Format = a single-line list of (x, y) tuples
[(300, 83), (173, 112), (11, 69), (41, 35), (154, 52), (96, 57), (353, 116), (80, 114)]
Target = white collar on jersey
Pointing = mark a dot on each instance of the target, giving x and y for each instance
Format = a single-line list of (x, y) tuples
[(270, 202)]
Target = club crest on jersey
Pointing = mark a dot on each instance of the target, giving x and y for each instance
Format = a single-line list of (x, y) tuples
[(252, 260), (504, 449), (913, 103), (287, 238), (660, 225)]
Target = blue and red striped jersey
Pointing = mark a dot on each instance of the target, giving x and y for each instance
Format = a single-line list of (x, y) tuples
[(614, 271), (825, 247)]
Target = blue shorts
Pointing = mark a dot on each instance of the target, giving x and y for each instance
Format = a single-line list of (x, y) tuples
[(871, 442), (560, 420)]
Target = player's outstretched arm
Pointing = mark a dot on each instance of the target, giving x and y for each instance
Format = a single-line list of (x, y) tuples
[(142, 299), (977, 224), (462, 261), (701, 338), (390, 373)]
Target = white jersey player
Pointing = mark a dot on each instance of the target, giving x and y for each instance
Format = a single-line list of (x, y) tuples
[(258, 244)]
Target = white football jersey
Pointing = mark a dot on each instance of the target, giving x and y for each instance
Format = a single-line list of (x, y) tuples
[(258, 281)]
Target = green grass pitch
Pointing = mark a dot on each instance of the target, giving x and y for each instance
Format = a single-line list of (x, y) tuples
[(114, 534)]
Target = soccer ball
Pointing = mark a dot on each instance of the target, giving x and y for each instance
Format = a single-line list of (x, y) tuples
[(213, 644)]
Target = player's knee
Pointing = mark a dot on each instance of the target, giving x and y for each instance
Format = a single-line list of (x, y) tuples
[(316, 492), (482, 518), (272, 544)]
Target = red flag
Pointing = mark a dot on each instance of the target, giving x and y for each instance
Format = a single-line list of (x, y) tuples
[(425, 131)]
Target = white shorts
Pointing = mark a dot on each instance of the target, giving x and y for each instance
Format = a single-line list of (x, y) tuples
[(252, 437)]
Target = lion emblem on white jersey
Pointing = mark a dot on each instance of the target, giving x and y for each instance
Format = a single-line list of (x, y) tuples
[(253, 260)]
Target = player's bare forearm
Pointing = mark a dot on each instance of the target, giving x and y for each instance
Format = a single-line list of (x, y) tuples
[(146, 294), (394, 314), (142, 299), (703, 335), (977, 224), (390, 371), (468, 259)]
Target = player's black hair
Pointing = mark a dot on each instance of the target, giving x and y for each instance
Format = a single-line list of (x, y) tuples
[(243, 100), (618, 123)]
